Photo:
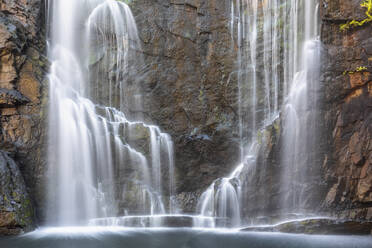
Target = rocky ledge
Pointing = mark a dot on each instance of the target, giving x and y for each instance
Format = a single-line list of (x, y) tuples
[(318, 226), (177, 221)]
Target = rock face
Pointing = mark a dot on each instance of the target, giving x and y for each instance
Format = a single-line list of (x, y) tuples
[(262, 185), (342, 184), (348, 111), (192, 95), (22, 72), (188, 47), (190, 91), (16, 213)]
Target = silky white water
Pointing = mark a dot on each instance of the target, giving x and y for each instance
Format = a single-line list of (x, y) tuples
[(95, 169), (222, 200), (300, 135)]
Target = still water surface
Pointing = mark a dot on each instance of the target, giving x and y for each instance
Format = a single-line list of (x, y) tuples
[(116, 237)]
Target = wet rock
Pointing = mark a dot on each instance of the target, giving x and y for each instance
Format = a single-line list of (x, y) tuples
[(347, 170), (262, 184), (149, 221), (23, 11), (188, 201), (23, 67), (319, 227), (191, 93), (327, 227), (11, 98), (16, 212), (156, 221), (190, 88)]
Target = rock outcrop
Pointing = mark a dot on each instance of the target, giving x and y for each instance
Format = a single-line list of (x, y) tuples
[(22, 96)]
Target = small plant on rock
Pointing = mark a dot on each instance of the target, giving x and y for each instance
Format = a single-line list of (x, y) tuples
[(365, 4), (358, 69)]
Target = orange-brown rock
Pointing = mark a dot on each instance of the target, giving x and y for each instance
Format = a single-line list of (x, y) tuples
[(348, 111), (359, 79), (8, 72), (22, 91)]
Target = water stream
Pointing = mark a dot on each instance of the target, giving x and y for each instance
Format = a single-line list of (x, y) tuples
[(94, 145)]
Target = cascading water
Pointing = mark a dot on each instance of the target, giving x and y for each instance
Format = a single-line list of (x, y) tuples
[(99, 168), (113, 57), (300, 124), (276, 73), (221, 202), (96, 166)]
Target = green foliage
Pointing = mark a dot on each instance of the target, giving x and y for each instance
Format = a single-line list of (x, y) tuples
[(361, 68), (365, 4), (358, 69)]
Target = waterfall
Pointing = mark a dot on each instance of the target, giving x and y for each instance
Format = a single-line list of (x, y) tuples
[(103, 159), (300, 135), (108, 164), (222, 199), (277, 78)]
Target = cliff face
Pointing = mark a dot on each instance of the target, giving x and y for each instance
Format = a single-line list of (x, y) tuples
[(191, 93), (348, 110), (22, 91), (190, 89), (340, 176)]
